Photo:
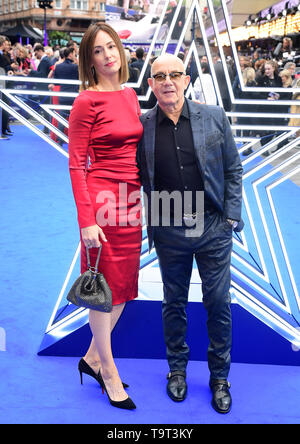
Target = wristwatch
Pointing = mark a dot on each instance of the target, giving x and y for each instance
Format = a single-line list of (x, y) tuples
[(232, 222)]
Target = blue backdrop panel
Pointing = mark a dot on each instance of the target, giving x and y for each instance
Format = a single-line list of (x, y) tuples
[(139, 334)]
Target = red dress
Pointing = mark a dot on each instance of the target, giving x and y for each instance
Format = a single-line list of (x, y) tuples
[(104, 127)]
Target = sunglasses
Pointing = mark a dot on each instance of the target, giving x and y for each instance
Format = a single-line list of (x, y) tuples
[(174, 75)]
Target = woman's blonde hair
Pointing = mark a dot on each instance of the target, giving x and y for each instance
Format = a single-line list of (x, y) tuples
[(248, 75), (286, 73), (24, 52), (87, 73)]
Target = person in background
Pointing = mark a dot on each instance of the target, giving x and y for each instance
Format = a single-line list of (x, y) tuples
[(205, 91), (42, 71), (259, 68), (224, 91), (249, 81), (24, 64), (68, 69), (269, 79), (139, 65), (291, 67), (295, 109), (287, 82), (8, 67)]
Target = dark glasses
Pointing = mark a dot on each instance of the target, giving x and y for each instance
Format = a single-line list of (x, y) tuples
[(174, 75)]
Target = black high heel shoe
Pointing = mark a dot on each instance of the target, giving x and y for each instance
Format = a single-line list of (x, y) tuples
[(126, 404), (83, 367)]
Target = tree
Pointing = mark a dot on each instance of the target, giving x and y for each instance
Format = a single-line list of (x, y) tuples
[(58, 38)]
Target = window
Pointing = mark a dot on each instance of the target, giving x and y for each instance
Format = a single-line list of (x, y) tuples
[(58, 4), (80, 4)]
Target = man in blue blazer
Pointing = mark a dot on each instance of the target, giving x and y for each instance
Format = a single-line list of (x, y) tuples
[(42, 72), (67, 70), (43, 67), (192, 181)]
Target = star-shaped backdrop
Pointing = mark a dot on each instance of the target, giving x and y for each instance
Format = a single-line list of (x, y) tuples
[(264, 279)]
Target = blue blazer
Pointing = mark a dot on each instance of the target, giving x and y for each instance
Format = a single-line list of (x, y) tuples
[(42, 71), (67, 70), (218, 159)]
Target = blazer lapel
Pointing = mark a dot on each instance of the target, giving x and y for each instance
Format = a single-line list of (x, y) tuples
[(149, 138), (198, 130)]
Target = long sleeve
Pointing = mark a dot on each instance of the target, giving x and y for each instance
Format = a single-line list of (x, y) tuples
[(138, 108), (233, 173), (81, 122)]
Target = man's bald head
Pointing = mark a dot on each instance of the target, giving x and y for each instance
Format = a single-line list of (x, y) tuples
[(166, 60)]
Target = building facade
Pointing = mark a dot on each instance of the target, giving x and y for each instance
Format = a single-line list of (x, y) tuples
[(71, 16)]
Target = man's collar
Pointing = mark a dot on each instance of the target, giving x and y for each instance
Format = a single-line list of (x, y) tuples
[(161, 115)]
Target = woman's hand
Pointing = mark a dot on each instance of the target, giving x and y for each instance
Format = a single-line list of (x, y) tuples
[(90, 236)]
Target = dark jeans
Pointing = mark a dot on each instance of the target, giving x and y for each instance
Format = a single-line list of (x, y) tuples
[(212, 251)]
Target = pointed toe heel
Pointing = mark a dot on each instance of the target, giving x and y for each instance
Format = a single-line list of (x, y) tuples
[(126, 404), (83, 367)]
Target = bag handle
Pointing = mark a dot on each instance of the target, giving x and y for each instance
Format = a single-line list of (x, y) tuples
[(93, 269)]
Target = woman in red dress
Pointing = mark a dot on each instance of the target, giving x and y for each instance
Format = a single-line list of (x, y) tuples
[(104, 130)]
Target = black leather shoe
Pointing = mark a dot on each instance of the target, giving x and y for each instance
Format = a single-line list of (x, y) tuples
[(221, 400), (177, 386)]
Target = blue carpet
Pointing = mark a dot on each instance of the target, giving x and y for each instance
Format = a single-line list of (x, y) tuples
[(47, 390), (38, 237)]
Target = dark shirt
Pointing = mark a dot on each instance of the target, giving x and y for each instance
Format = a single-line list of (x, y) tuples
[(176, 164), (4, 63), (266, 82)]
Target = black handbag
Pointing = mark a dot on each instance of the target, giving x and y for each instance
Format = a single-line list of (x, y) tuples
[(91, 290)]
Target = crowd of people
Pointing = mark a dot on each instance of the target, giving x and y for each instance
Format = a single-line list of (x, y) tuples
[(267, 73), (40, 62), (257, 71), (276, 72)]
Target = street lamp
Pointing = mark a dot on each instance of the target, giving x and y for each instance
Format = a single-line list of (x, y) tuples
[(44, 4)]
